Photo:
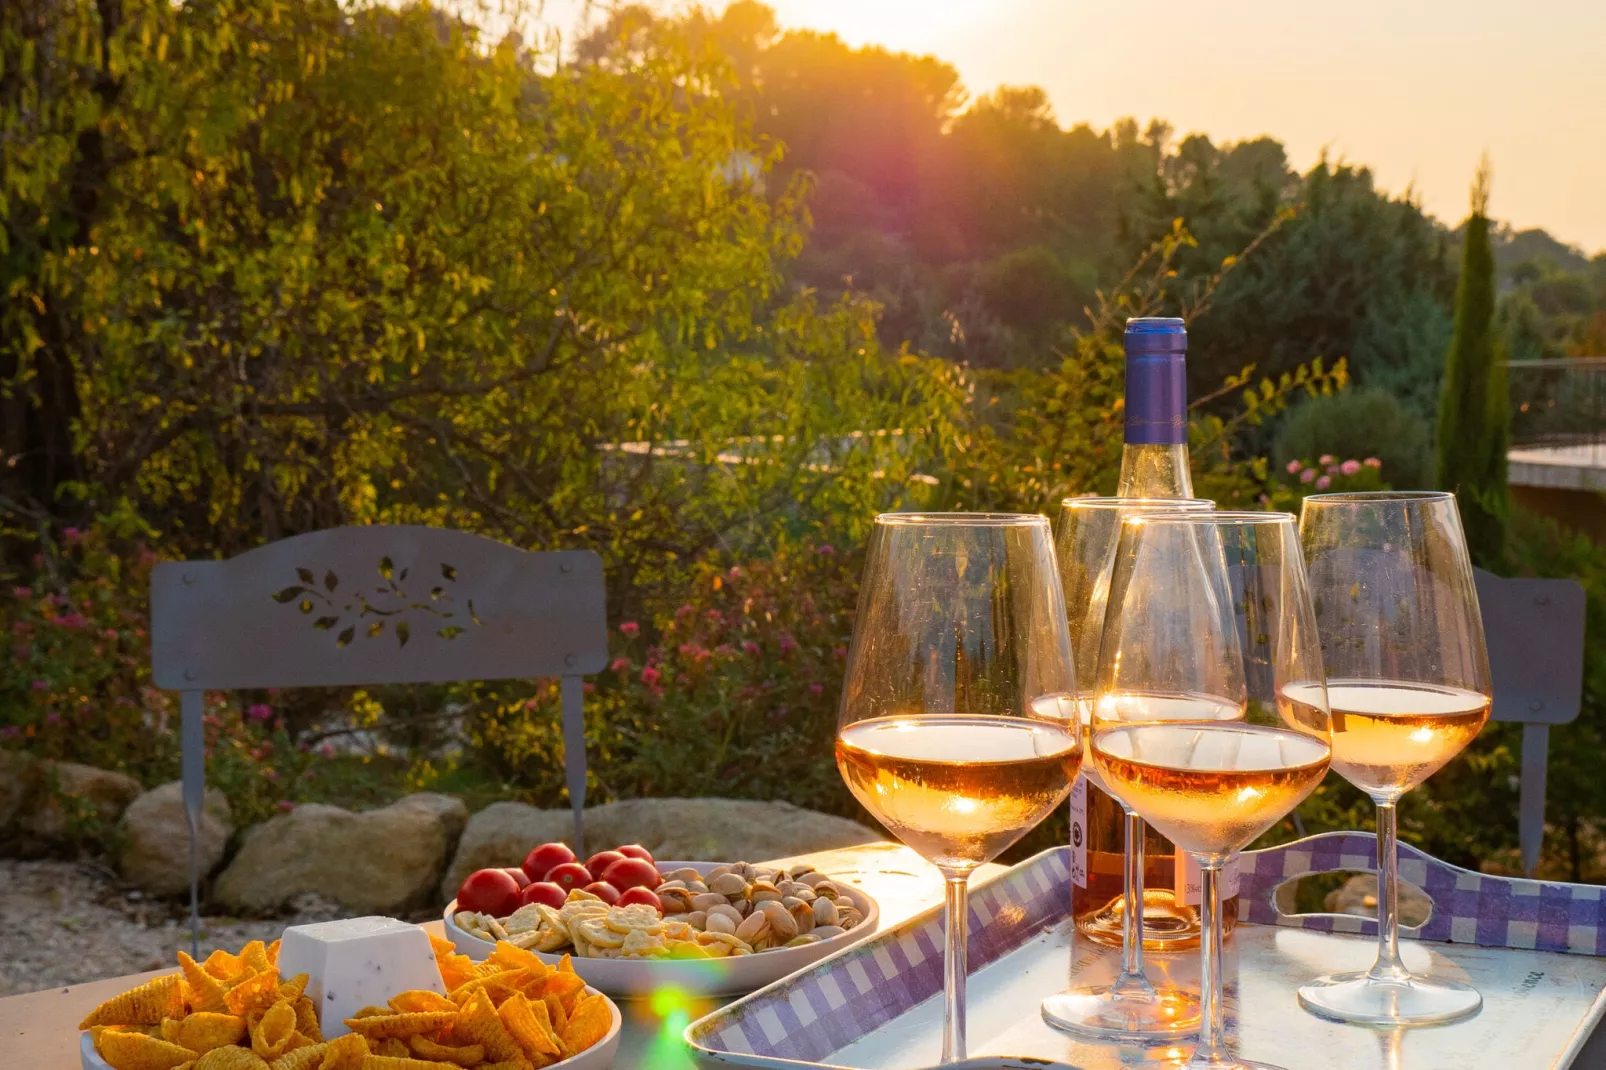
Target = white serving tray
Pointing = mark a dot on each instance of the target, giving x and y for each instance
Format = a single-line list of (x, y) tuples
[(697, 977)]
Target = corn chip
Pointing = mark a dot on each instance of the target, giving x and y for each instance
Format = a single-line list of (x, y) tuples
[(204, 1030), (276, 1033), (256, 993), (202, 991), (223, 966), (464, 1055), (400, 1025), (136, 1051), (588, 1024), (307, 1020), (532, 1029), (146, 1005), (478, 1023), (255, 956), (345, 1053), (230, 1059), (421, 1000), (307, 1058)]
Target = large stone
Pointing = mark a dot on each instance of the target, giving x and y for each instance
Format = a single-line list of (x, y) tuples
[(154, 853), (1358, 896), (501, 835), (74, 799), (376, 862), (720, 830), (20, 776)]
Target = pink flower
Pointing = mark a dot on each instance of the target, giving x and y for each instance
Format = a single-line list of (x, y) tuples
[(40, 685), (1307, 475), (285, 806), (826, 548), (1293, 466), (1324, 482), (816, 688), (629, 627), (53, 717), (1326, 458), (735, 573), (650, 676), (10, 731), (71, 620), (327, 750), (1350, 467), (259, 712), (71, 534), (788, 644), (684, 611), (588, 688), (751, 648), (724, 650), (840, 652), (110, 633), (620, 664), (22, 592), (1372, 462)]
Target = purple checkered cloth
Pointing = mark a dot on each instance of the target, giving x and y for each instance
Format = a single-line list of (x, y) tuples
[(1468, 907), (824, 1008)]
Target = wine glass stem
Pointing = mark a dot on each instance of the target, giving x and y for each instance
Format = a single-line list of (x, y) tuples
[(958, 915), (1212, 1042), (1388, 966), (1132, 980)]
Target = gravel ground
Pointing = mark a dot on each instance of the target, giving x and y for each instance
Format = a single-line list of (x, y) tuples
[(64, 922)]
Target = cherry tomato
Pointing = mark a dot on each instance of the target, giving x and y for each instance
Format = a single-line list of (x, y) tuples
[(545, 858), (489, 891), (544, 892), (598, 863), (630, 873), (518, 875), (641, 895), (569, 875), (603, 891), (635, 850)]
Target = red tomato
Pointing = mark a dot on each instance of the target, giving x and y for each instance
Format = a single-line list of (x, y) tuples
[(603, 891), (545, 858), (489, 891), (519, 876), (544, 892), (635, 850), (630, 873), (641, 895), (569, 875), (598, 863)]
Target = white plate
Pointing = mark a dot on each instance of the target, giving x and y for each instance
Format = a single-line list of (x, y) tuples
[(698, 977), (599, 1056)]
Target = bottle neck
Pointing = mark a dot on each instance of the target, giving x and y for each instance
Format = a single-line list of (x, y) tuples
[(1155, 471), (1156, 399)]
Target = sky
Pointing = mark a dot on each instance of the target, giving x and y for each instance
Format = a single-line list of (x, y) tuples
[(1414, 89)]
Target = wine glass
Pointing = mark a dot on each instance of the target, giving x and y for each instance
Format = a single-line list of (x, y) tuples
[(959, 646), (1131, 1008), (1408, 679), (1210, 719)]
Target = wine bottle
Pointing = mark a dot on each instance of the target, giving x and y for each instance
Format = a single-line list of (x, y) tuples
[(1154, 464)]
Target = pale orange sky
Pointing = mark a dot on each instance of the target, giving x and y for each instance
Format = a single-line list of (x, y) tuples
[(1415, 89)]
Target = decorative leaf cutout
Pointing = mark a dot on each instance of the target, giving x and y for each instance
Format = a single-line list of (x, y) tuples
[(436, 592), (306, 575), (330, 581), (449, 572), (345, 637), (451, 631), (475, 617), (289, 594), (306, 605), (323, 624), (375, 628), (403, 633), (386, 567)]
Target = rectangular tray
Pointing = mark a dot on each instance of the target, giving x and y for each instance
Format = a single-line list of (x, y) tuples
[(878, 1006)]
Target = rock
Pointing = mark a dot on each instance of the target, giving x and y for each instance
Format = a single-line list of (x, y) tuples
[(376, 862), (448, 808), (720, 830), (154, 854), (20, 775), (1358, 896), (501, 835), (74, 798)]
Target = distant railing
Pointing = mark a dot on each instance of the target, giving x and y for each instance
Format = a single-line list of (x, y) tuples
[(1559, 404)]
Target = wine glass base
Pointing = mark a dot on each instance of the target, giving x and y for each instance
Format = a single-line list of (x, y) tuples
[(1229, 1064), (1102, 1014), (1361, 998)]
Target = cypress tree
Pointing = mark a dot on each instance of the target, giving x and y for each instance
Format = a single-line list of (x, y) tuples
[(1474, 429)]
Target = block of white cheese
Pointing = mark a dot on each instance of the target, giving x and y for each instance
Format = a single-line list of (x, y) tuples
[(356, 963)]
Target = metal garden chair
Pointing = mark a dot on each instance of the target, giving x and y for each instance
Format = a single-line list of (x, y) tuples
[(1535, 632), (374, 605)]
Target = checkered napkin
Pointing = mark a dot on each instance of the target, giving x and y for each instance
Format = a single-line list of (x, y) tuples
[(814, 1013), (1468, 907)]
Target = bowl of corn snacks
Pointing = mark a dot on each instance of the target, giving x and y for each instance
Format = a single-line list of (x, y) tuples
[(512, 1011)]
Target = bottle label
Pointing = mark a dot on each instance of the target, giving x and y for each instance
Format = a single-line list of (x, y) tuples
[(1189, 888), (1156, 399), (1079, 832)]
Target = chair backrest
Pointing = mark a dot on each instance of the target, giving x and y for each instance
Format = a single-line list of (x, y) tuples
[(1535, 632), (375, 605)]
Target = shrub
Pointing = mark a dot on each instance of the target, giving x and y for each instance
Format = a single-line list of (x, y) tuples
[(1361, 422)]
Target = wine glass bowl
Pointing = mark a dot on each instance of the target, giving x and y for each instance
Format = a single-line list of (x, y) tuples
[(1211, 719), (1409, 687), (953, 728)]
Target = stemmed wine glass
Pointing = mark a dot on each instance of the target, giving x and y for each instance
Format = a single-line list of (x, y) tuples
[(959, 645), (1408, 679), (1131, 1008), (1210, 719)]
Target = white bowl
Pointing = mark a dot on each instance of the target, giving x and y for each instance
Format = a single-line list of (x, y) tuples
[(635, 978), (599, 1056)]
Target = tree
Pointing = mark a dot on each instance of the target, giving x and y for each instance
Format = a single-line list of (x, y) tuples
[(1474, 429)]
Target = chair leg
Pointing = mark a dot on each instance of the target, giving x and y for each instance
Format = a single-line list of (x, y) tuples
[(1531, 800), (192, 738), (574, 755)]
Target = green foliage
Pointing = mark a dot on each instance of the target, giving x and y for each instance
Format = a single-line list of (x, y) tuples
[(1362, 422), (1474, 428)]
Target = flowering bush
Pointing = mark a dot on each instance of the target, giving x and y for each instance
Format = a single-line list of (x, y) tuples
[(1325, 475)]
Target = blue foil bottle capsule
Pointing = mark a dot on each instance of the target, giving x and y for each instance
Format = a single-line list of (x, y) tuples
[(1156, 381)]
